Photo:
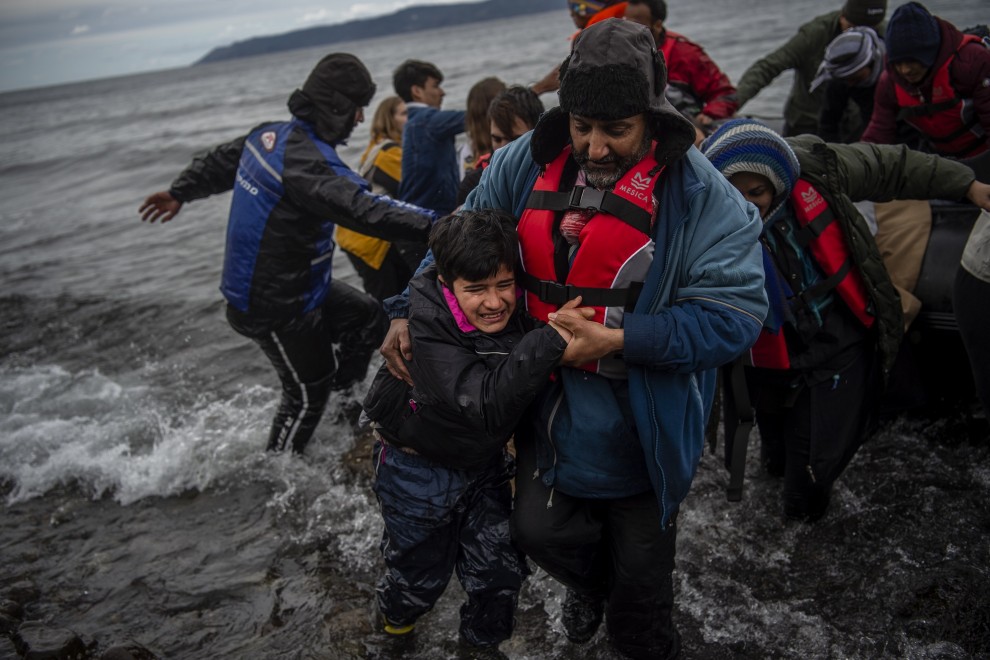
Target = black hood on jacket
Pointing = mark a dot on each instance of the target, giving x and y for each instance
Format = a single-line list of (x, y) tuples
[(614, 71), (335, 90)]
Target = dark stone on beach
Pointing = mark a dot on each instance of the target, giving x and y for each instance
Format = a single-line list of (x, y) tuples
[(8, 624), (357, 460), (348, 413), (7, 649), (11, 615), (11, 608), (128, 651), (36, 641), (21, 592)]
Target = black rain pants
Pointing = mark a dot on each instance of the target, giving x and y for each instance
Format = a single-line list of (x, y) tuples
[(324, 350), (440, 520), (609, 548), (809, 433)]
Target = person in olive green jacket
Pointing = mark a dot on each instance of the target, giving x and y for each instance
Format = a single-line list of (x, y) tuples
[(834, 326), (803, 53)]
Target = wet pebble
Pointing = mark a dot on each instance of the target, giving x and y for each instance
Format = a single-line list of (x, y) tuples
[(21, 592), (128, 651), (11, 615), (36, 641)]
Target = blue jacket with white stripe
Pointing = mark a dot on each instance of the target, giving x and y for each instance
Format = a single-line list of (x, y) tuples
[(290, 190), (701, 306)]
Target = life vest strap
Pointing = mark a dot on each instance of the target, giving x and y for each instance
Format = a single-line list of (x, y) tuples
[(937, 141), (591, 199), (962, 152), (555, 293), (926, 109), (962, 130), (379, 177), (806, 234), (820, 288)]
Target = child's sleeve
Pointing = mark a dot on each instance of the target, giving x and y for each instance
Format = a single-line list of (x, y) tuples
[(489, 401)]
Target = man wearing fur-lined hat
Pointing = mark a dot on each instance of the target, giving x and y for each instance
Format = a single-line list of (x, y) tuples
[(617, 207)]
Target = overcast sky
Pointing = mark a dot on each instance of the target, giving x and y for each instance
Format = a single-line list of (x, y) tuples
[(45, 42)]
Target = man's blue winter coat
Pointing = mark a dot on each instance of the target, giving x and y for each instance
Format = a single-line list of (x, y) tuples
[(702, 305)]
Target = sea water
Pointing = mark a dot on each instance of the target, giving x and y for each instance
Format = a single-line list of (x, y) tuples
[(139, 505)]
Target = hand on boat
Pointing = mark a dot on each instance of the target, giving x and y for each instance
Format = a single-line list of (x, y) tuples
[(979, 194)]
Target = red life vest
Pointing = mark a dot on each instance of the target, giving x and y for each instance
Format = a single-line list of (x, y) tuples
[(946, 120), (615, 246), (668, 46), (618, 10), (823, 237)]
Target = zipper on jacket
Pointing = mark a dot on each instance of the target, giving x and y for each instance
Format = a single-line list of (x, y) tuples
[(666, 264), (553, 415), (654, 305)]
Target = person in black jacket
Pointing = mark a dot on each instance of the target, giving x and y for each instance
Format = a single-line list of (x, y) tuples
[(290, 189), (442, 469)]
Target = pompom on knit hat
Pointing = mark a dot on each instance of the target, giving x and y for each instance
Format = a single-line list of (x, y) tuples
[(746, 145), (865, 12), (913, 33)]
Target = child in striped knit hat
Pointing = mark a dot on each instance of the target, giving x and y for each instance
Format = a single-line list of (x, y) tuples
[(814, 365), (755, 160), (835, 322)]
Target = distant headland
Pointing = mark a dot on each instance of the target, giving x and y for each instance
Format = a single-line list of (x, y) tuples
[(410, 19)]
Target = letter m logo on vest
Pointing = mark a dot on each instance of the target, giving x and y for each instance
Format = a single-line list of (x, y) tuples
[(811, 199), (640, 182)]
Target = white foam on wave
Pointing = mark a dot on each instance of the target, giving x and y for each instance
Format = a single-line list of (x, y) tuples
[(105, 438), (85, 429)]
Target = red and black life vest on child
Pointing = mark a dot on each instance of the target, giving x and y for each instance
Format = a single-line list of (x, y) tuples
[(822, 236), (946, 120), (614, 252)]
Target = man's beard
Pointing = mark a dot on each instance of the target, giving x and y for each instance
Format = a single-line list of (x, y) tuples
[(606, 179)]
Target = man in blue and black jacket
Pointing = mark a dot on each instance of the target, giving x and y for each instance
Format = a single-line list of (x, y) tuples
[(290, 188)]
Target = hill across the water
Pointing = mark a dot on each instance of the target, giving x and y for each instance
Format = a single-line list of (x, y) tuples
[(410, 19)]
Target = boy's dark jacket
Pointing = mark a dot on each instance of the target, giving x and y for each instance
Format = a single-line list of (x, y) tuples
[(472, 388)]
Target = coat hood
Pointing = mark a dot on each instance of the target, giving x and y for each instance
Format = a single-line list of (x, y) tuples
[(335, 90)]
